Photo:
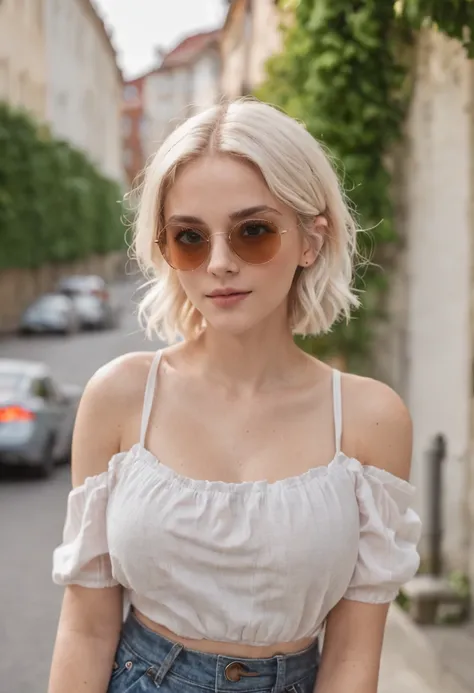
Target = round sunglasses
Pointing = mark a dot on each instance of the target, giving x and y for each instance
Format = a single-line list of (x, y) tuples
[(255, 241)]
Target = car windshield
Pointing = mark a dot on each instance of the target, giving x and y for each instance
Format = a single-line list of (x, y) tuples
[(80, 284), (49, 305), (11, 381)]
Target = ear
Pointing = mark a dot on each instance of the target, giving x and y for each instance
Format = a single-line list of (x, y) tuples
[(312, 248)]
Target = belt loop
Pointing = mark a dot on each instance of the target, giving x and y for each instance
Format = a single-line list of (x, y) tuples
[(281, 674), (168, 662)]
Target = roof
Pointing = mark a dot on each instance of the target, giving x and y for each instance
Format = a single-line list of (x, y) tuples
[(183, 53), (189, 49)]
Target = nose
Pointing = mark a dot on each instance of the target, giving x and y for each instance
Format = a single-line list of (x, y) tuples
[(222, 259)]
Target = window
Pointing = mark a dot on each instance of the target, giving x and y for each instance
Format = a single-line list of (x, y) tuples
[(130, 92), (128, 158), (126, 126), (39, 388), (44, 388), (143, 128)]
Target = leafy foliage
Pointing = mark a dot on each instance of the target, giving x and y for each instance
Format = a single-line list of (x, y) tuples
[(343, 73), (54, 204)]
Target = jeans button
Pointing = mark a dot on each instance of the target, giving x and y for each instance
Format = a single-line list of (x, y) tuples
[(233, 672)]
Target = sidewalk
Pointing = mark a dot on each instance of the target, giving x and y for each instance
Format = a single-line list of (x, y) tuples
[(409, 661)]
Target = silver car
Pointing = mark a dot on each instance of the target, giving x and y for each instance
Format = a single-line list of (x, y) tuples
[(36, 416)]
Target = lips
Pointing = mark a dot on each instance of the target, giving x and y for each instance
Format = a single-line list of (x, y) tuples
[(227, 298), (224, 293)]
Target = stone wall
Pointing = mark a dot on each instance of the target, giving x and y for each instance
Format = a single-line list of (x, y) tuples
[(18, 287), (425, 348)]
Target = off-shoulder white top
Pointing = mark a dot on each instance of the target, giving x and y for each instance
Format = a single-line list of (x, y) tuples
[(253, 562)]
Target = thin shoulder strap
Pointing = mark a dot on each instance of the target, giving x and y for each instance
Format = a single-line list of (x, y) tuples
[(149, 392), (337, 405)]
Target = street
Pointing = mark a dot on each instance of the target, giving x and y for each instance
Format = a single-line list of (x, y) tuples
[(32, 511), (32, 516)]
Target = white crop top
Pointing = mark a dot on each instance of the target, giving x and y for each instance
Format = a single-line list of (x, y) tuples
[(252, 562)]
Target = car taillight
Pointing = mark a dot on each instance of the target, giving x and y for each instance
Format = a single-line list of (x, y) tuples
[(15, 413), (103, 294)]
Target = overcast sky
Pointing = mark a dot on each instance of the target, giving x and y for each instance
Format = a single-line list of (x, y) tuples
[(138, 26)]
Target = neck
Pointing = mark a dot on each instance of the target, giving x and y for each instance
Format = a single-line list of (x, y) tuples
[(248, 362)]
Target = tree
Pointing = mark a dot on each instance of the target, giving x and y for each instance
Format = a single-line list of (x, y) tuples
[(54, 204)]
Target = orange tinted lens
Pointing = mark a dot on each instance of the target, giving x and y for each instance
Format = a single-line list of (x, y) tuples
[(183, 248), (255, 241)]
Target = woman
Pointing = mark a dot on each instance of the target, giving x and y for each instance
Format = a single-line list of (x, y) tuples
[(243, 494)]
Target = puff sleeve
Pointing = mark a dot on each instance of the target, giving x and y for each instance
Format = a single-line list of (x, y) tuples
[(83, 557), (389, 534)]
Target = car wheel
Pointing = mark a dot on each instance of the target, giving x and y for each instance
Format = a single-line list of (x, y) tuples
[(48, 463)]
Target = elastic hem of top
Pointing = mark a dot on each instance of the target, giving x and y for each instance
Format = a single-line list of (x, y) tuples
[(64, 582)]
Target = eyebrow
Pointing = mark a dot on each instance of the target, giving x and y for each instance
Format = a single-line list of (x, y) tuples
[(234, 216)]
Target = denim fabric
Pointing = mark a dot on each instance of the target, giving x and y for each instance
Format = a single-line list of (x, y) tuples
[(146, 662)]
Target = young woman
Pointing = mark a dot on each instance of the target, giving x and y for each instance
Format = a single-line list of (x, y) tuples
[(240, 494)]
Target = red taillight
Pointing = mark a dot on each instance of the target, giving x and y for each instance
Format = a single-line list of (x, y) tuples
[(103, 294), (15, 413)]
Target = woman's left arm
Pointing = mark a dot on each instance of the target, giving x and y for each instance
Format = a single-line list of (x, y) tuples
[(355, 627)]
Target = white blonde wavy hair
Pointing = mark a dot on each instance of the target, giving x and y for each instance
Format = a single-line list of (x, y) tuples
[(298, 173)]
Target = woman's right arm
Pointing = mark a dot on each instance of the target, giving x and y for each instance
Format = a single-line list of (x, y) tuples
[(92, 611)]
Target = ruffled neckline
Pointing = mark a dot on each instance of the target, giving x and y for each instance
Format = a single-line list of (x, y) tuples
[(139, 453)]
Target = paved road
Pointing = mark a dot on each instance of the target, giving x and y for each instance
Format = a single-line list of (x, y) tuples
[(32, 516), (32, 512)]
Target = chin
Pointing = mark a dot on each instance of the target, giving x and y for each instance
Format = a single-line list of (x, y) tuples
[(236, 325), (231, 327)]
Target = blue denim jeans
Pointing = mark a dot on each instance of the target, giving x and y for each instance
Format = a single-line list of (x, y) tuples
[(146, 662)]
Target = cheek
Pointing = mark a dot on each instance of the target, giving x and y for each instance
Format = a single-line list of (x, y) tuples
[(191, 283), (281, 270)]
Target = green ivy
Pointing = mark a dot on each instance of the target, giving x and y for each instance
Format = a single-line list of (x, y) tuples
[(54, 204), (344, 73)]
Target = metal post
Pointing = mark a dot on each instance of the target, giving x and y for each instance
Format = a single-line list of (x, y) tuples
[(436, 456)]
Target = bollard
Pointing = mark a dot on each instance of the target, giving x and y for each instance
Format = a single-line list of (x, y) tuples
[(436, 457)]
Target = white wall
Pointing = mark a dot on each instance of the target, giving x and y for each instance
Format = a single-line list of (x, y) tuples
[(438, 231), (84, 91), (172, 95), (22, 59), (205, 81), (166, 98), (266, 38)]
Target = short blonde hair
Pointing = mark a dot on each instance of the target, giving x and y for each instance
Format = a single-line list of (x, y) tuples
[(297, 172)]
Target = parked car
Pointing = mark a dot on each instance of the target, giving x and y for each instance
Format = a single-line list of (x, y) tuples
[(92, 312), (52, 312), (36, 416), (79, 286)]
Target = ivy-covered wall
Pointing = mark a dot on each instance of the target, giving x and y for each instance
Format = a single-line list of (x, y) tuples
[(55, 206), (345, 72)]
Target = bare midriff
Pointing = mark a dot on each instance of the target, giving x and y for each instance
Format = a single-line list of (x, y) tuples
[(227, 649)]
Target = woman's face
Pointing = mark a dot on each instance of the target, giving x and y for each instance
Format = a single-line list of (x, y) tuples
[(209, 197)]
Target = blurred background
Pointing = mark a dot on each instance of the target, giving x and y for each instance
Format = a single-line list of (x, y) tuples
[(88, 90)]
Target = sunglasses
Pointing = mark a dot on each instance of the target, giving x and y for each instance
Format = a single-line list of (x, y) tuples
[(255, 241)]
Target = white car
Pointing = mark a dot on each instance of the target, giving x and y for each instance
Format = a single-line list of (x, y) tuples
[(36, 416)]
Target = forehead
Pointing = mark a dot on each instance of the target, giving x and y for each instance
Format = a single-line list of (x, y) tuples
[(214, 185)]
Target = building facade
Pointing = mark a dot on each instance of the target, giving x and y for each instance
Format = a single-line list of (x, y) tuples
[(251, 34), (22, 55), (186, 82), (133, 129), (84, 84)]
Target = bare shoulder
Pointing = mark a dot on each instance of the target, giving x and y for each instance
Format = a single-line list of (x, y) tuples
[(377, 425), (113, 394), (122, 377)]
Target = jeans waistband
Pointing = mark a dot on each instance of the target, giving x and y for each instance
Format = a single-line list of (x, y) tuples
[(217, 672)]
